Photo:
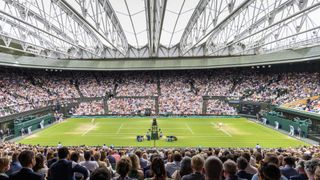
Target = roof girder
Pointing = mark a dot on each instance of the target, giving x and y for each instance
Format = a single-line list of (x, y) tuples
[(209, 26), (155, 11), (106, 23), (289, 14)]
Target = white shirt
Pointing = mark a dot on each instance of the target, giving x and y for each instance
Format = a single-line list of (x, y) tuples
[(90, 165)]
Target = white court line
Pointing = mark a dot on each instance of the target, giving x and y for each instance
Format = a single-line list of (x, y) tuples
[(221, 129), (88, 130), (161, 128), (133, 135), (189, 129), (119, 129)]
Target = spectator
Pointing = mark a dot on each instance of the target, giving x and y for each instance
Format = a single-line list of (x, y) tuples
[(242, 164), (317, 174), (212, 164), (135, 171), (75, 156), (51, 158), (171, 167), (27, 161), (90, 165), (301, 172), (4, 166), (97, 157), (310, 167), (185, 169), (15, 165), (40, 166), (288, 169), (158, 169), (111, 159), (100, 174), (64, 169), (213, 168), (269, 158), (230, 170), (104, 159), (143, 162), (123, 167), (197, 163), (250, 169), (269, 171)]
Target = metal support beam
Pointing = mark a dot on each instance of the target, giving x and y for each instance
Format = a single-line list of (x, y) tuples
[(30, 13), (155, 11), (67, 7), (193, 20), (103, 19), (15, 22), (257, 37), (191, 42)]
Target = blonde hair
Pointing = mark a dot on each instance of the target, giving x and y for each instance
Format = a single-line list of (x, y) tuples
[(4, 163), (197, 162), (317, 174), (135, 161)]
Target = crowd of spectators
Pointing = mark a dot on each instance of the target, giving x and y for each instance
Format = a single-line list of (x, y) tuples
[(21, 92), (312, 106), (178, 95), (130, 106), (286, 87), (219, 107), (90, 108), (90, 86), (178, 92), (19, 161), (133, 84), (218, 83)]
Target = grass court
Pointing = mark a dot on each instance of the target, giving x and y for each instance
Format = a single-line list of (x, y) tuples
[(191, 132)]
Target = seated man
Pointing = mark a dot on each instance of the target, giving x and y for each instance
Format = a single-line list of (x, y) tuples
[(288, 169), (154, 122), (230, 170), (27, 161), (213, 168), (64, 169), (197, 164), (242, 164)]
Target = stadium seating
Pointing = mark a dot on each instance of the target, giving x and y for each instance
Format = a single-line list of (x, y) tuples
[(252, 161), (165, 93)]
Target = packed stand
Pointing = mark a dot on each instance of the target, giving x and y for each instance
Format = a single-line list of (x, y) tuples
[(90, 108), (13, 93), (60, 86), (215, 83), (178, 92), (81, 162), (219, 107), (92, 86), (252, 86), (178, 95), (137, 84), (310, 106), (130, 106), (298, 86), (21, 91), (285, 87)]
